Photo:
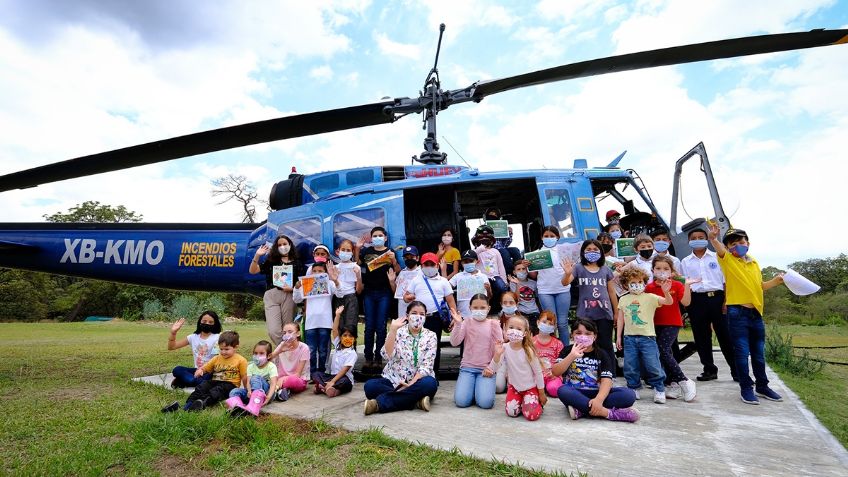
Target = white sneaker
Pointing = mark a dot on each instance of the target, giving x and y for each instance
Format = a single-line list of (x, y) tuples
[(659, 397), (636, 392), (688, 388), (673, 391)]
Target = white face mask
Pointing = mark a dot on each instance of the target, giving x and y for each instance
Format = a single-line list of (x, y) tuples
[(415, 320), (662, 275), (509, 310), (636, 288), (283, 249), (479, 315), (447, 239), (430, 271), (514, 335)]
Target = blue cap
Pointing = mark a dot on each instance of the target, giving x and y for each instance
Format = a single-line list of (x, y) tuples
[(410, 250)]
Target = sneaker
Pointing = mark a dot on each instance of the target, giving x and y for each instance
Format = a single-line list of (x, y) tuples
[(748, 396), (424, 404), (575, 413), (659, 397), (689, 390), (173, 407), (636, 392), (283, 395), (627, 414), (768, 393), (673, 391), (318, 388), (197, 405), (371, 406), (707, 376)]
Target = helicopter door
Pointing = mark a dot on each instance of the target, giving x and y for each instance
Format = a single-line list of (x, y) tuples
[(680, 240), (557, 198)]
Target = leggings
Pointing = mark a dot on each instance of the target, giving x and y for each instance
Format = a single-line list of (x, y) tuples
[(294, 384), (666, 338), (523, 402)]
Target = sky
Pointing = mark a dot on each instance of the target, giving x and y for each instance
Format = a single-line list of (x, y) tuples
[(88, 76)]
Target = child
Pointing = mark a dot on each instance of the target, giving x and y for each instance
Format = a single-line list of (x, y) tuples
[(644, 247), (744, 298), (553, 294), (662, 241), (350, 284), (525, 392), (490, 260), (508, 301), (204, 345), (342, 360), (229, 370), (319, 318), (476, 380), (469, 282), (448, 254), (261, 383), (525, 288), (587, 373), (667, 323), (596, 295), (292, 359), (410, 272), (548, 349), (640, 345)]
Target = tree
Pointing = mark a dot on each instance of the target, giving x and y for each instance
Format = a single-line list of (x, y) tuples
[(91, 211), (238, 188), (830, 274)]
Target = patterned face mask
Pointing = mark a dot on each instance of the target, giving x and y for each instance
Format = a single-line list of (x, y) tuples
[(514, 335), (416, 321)]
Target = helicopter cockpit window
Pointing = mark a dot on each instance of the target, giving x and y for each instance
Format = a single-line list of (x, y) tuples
[(330, 182), (364, 176), (353, 225), (304, 232), (559, 211)]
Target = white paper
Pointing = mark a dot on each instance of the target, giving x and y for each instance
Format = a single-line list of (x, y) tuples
[(798, 284)]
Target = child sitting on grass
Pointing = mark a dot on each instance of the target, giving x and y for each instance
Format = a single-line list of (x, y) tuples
[(261, 383), (292, 359)]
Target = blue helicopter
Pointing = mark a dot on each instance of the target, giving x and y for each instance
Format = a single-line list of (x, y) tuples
[(412, 202)]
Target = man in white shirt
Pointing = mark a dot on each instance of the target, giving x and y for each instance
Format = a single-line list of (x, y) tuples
[(706, 309), (431, 289)]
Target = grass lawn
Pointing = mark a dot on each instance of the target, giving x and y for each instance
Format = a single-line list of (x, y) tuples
[(70, 409)]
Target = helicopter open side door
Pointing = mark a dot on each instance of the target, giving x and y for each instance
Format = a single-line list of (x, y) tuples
[(680, 240), (556, 194)]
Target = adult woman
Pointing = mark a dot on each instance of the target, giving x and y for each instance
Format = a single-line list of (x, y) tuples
[(204, 345), (553, 295), (279, 304), (408, 380), (448, 254), (377, 296)]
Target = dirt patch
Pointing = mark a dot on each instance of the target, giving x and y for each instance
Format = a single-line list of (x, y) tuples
[(304, 426), (173, 466), (82, 394)]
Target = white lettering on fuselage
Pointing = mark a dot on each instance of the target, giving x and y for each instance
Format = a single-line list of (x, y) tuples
[(118, 252)]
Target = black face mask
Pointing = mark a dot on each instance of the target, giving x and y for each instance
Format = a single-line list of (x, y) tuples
[(646, 254), (606, 247), (206, 328), (410, 262), (492, 217)]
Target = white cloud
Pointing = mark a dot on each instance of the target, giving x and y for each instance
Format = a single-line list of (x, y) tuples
[(393, 48), (321, 73)]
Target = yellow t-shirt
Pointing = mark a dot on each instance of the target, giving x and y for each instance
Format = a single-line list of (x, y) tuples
[(451, 256), (231, 369), (639, 313), (743, 281)]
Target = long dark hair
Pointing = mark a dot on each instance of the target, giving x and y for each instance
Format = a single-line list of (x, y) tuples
[(594, 242), (274, 255), (216, 325), (553, 229)]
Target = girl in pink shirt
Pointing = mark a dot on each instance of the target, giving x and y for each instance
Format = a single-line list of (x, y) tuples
[(525, 392), (292, 360), (548, 349), (476, 380)]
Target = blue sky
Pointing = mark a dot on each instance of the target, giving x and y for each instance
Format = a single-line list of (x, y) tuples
[(93, 76)]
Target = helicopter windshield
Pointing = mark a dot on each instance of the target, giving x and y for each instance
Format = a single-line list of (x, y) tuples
[(631, 199)]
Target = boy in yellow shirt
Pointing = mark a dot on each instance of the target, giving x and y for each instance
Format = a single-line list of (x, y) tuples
[(744, 298)]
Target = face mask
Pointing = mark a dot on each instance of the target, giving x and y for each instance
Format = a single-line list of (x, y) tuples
[(739, 250), (410, 262), (260, 359), (661, 245), (592, 257), (415, 321), (447, 239), (509, 310), (479, 315), (514, 335), (616, 234), (606, 247), (646, 254), (288, 337), (584, 340), (546, 329), (347, 341), (345, 256), (636, 288), (662, 275), (283, 249), (430, 272), (469, 267), (521, 275), (206, 328), (378, 241), (549, 241), (698, 244)]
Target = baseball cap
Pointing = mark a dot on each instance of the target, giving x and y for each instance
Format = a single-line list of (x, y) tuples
[(611, 213), (429, 257), (469, 255), (410, 250), (731, 233)]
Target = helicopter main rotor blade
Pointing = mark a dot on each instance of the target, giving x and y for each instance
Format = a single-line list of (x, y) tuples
[(203, 142), (713, 50)]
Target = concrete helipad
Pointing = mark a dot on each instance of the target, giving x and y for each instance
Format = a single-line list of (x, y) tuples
[(717, 434)]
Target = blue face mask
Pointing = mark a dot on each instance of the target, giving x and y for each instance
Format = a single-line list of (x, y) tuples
[(546, 329), (616, 234), (739, 250), (549, 241), (698, 244), (345, 256), (378, 241), (661, 246), (469, 267), (592, 257)]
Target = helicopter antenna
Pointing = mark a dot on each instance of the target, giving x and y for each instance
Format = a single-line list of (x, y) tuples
[(457, 152), (433, 91)]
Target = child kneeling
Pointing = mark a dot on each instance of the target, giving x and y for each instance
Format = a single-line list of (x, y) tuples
[(342, 359)]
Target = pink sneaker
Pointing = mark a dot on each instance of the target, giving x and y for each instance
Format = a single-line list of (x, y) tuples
[(627, 414)]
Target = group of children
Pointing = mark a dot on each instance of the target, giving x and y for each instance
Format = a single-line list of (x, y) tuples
[(519, 351)]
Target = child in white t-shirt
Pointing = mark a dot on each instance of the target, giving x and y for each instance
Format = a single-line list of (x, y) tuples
[(342, 359)]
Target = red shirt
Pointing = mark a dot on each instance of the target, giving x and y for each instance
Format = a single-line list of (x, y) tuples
[(668, 315)]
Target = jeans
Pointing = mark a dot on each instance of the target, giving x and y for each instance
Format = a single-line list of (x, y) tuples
[(618, 398), (256, 383), (641, 353), (184, 377), (706, 317), (376, 304), (389, 400), (318, 340), (748, 334), (559, 304), (473, 387)]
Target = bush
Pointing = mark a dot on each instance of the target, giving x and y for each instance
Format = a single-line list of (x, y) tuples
[(21, 296), (257, 311), (153, 310), (781, 353)]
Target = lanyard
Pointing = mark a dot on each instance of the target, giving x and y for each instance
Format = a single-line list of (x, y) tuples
[(415, 349)]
